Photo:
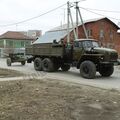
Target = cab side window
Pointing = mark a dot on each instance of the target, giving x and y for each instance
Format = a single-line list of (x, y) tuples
[(87, 44), (76, 44), (80, 44)]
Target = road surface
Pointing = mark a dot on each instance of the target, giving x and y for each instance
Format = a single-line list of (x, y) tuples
[(73, 75)]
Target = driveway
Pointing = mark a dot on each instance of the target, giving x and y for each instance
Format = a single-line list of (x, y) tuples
[(73, 75)]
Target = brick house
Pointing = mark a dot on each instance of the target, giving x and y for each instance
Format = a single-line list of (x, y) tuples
[(11, 42), (101, 29)]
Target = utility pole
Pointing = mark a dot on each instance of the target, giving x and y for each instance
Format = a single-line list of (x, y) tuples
[(68, 22), (69, 17), (73, 26), (85, 31), (76, 19)]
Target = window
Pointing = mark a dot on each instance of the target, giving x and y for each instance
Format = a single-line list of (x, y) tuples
[(18, 44), (87, 44), (9, 43), (89, 32), (1, 43), (111, 35), (101, 33), (33, 34), (95, 44), (78, 44), (27, 43), (22, 44)]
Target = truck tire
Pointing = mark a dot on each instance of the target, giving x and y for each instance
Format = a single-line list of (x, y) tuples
[(23, 63), (56, 66), (88, 69), (38, 64), (106, 71), (65, 67), (47, 65), (9, 61)]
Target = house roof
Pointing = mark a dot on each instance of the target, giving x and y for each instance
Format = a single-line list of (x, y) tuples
[(97, 19), (64, 27), (49, 36), (15, 35), (60, 32)]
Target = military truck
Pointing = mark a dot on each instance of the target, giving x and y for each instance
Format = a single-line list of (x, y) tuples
[(84, 54), (16, 57)]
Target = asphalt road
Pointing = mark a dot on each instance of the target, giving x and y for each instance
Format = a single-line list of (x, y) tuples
[(73, 75)]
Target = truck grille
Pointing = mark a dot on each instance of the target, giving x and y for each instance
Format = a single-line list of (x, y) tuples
[(113, 56)]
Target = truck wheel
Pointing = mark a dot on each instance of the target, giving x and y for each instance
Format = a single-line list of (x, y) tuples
[(65, 67), (47, 65), (23, 63), (88, 69), (56, 66), (106, 71), (38, 64), (9, 61)]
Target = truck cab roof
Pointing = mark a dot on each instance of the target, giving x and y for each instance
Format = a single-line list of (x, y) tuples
[(86, 40)]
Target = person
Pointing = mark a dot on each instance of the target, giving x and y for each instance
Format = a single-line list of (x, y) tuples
[(55, 42)]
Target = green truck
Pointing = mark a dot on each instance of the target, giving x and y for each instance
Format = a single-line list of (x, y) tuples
[(84, 54), (16, 57)]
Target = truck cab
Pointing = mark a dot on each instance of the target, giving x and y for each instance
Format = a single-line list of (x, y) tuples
[(90, 57)]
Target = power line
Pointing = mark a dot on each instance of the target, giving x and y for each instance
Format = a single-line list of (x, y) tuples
[(99, 14), (29, 19), (87, 9), (102, 10)]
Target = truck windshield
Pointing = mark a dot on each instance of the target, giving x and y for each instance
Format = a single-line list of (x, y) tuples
[(89, 44), (95, 44)]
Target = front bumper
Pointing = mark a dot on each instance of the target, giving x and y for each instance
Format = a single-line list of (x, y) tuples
[(111, 62), (118, 61)]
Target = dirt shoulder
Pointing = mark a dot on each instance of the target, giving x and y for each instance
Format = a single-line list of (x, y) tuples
[(50, 100), (9, 73)]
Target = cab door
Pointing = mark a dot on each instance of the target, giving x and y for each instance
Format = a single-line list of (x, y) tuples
[(77, 50)]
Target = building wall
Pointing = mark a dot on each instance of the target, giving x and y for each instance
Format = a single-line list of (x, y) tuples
[(34, 33), (117, 43), (1, 43), (17, 43), (12, 46), (104, 31)]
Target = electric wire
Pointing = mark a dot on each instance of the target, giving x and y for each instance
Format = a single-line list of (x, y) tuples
[(102, 10), (52, 10), (29, 19), (99, 14)]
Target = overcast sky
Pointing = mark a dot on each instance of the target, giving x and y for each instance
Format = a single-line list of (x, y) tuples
[(13, 11)]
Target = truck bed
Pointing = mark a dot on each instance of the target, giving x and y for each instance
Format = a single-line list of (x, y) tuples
[(45, 49)]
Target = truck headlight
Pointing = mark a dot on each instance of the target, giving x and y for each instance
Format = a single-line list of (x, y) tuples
[(101, 58)]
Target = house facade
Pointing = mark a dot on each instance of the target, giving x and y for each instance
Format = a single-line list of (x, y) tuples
[(13, 42)]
